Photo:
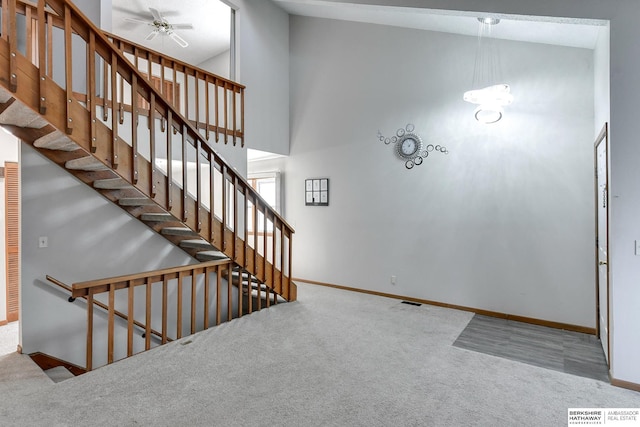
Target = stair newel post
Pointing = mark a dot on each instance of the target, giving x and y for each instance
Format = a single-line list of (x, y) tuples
[(121, 93), (89, 348), (240, 277), (9, 23), (152, 141), (185, 192), (110, 323), (130, 317), (249, 293), (114, 117), (169, 160), (105, 90), (91, 87), (289, 267), (42, 60), (134, 127), (68, 70), (199, 184)]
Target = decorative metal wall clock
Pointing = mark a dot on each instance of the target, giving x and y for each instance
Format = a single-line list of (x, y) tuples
[(409, 146)]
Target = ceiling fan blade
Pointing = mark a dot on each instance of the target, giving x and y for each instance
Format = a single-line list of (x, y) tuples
[(137, 21), (152, 35), (178, 39), (157, 16), (182, 26)]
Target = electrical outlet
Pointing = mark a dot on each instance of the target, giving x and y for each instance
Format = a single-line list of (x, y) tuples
[(43, 242), (393, 280)]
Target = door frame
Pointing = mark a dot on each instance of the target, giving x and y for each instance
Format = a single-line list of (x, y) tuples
[(603, 137)]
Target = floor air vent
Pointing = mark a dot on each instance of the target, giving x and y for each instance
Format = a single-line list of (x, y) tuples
[(417, 304)]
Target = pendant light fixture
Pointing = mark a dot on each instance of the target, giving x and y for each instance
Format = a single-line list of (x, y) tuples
[(488, 91)]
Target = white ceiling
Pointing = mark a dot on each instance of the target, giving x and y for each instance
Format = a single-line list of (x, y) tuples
[(556, 31), (210, 18)]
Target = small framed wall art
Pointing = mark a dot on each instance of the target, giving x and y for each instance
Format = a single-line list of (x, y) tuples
[(316, 192)]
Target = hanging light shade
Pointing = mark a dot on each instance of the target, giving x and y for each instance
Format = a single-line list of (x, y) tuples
[(488, 92)]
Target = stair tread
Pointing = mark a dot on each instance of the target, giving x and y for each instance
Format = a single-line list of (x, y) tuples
[(88, 163), (135, 201), (56, 141), (178, 231), (160, 217), (196, 243), (20, 115), (211, 256), (111, 184)]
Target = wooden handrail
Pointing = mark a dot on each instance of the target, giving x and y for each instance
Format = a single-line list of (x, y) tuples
[(103, 128)]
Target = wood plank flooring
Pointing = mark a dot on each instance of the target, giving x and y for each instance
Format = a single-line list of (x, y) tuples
[(571, 352)]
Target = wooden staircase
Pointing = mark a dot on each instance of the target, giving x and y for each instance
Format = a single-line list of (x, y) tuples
[(115, 131)]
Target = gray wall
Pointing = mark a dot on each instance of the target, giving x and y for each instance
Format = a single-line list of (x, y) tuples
[(504, 222), (625, 192), (263, 66)]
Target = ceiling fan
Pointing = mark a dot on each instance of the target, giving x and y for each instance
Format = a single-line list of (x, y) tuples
[(162, 26)]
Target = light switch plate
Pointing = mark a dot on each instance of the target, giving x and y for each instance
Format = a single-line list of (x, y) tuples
[(43, 241)]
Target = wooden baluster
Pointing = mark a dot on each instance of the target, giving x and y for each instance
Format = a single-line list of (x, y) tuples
[(282, 259), (235, 217), (134, 126), (68, 58), (198, 185), (273, 254), (110, 326), (197, 97), (224, 208), (50, 47), (207, 131), (217, 102), (114, 119), (149, 69), (179, 307), (193, 301), (176, 96), (12, 34), (185, 191), (147, 330), (29, 31), (259, 299), (207, 283), (226, 115), (242, 115), (152, 141), (130, 317), (218, 292), (233, 116), (245, 215), (264, 244), (89, 349), (249, 293), (212, 204), (186, 95), (164, 308), (162, 85), (240, 279), (5, 20), (255, 236), (229, 292), (169, 160), (121, 100), (105, 91), (91, 90), (42, 52)]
